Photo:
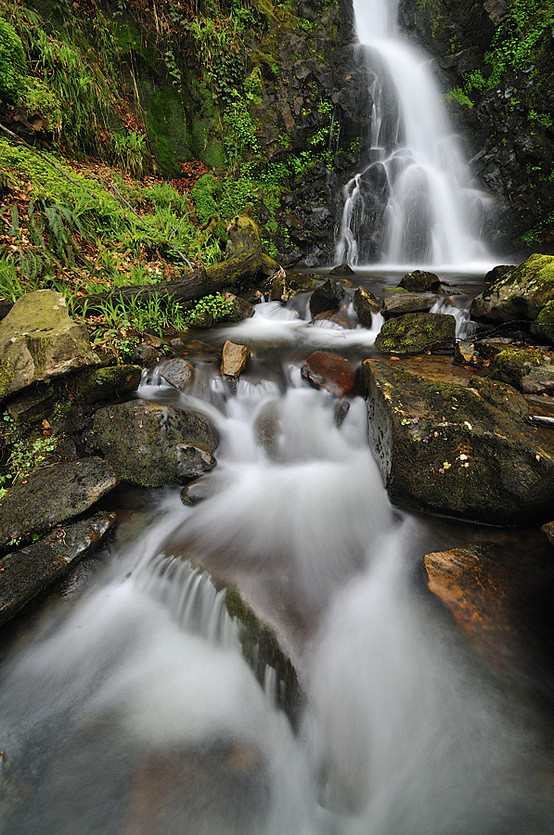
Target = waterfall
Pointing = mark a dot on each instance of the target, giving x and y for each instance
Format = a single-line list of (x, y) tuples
[(413, 202)]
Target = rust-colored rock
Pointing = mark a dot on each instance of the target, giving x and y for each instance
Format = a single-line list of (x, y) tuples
[(234, 359), (331, 372), (497, 599)]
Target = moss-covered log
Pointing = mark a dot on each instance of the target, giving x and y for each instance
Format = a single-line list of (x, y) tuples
[(246, 264)]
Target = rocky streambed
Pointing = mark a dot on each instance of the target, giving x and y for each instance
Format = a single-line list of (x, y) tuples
[(263, 424)]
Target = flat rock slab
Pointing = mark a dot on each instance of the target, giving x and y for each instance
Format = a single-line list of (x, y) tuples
[(52, 495), (398, 301), (153, 445), (499, 600), (331, 372), (25, 573), (451, 443), (39, 340)]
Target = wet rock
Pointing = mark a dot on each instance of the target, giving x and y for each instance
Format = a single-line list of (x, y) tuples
[(543, 326), (397, 301), (84, 387), (495, 598), (331, 372), (241, 308), (549, 531), (153, 445), (497, 272), (341, 411), (489, 348), (414, 332), (518, 294), (466, 353), (52, 495), (326, 297), (25, 573), (366, 306), (178, 372), (234, 359), (420, 281), (267, 428), (342, 270), (13, 791), (285, 285), (197, 491), (527, 369), (39, 340), (452, 443)]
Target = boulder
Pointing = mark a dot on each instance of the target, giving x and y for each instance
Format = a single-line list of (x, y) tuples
[(466, 353), (326, 297), (366, 306), (497, 272), (414, 332), (397, 301), (197, 491), (234, 359), (518, 294), (51, 495), (26, 573), (527, 369), (331, 372), (39, 340), (497, 600), (543, 326), (178, 372), (420, 281), (84, 387), (153, 445), (452, 443)]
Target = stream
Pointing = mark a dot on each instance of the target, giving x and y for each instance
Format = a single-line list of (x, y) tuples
[(136, 709)]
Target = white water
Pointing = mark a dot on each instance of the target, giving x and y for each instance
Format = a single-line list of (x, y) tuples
[(433, 212), (137, 713)]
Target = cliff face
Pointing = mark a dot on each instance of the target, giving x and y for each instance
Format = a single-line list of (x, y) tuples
[(496, 62), (268, 102)]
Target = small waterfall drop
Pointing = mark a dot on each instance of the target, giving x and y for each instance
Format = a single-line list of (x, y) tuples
[(412, 203)]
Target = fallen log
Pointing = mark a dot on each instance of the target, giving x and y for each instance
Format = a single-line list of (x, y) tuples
[(245, 265)]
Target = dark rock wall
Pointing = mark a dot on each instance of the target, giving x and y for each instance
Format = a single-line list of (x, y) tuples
[(497, 60)]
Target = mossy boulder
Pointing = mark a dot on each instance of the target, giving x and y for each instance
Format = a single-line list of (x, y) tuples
[(527, 369), (521, 293), (543, 326), (412, 333), (366, 306), (52, 495), (39, 340), (451, 443), (153, 445)]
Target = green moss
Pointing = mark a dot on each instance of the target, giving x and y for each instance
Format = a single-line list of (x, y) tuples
[(12, 62)]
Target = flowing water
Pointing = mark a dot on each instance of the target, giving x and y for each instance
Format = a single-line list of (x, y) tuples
[(139, 710), (413, 201)]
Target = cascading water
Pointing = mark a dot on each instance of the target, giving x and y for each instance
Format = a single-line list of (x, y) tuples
[(413, 202), (137, 713)]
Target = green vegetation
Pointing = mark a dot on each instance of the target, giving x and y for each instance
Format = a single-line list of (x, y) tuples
[(21, 455)]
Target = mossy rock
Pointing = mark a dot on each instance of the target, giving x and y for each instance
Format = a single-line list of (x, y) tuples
[(412, 333), (543, 326), (152, 445), (521, 293), (458, 445), (39, 341), (528, 369)]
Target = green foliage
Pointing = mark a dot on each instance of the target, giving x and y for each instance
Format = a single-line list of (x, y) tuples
[(516, 39), (21, 455), (12, 62), (38, 97), (209, 309), (457, 94), (240, 138)]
